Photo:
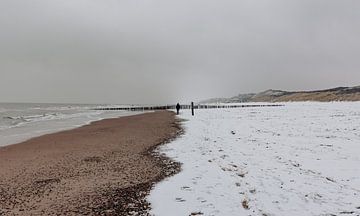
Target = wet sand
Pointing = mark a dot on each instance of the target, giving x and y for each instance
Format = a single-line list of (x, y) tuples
[(105, 168)]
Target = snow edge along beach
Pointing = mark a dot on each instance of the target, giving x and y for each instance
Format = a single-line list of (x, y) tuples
[(300, 159)]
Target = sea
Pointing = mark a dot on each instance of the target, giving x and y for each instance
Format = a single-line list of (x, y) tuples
[(22, 121)]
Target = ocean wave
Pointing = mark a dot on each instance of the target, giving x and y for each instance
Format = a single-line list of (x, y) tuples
[(66, 107), (20, 117), (30, 117), (17, 120)]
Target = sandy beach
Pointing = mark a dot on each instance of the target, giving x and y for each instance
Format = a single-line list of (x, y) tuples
[(105, 168)]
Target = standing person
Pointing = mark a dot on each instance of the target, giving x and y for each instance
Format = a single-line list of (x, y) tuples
[(177, 108)]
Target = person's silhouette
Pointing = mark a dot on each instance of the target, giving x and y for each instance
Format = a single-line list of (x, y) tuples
[(177, 108)]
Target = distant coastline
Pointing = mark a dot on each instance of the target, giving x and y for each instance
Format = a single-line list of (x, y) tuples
[(327, 95)]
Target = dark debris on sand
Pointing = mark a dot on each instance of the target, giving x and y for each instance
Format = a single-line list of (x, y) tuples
[(131, 201)]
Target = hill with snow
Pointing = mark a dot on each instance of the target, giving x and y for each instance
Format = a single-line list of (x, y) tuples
[(334, 94)]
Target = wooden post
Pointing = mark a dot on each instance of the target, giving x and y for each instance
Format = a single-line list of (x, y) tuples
[(192, 108)]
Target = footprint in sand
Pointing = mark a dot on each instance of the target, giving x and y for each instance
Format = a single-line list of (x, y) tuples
[(186, 188), (224, 156), (242, 174), (196, 213), (179, 199), (201, 199)]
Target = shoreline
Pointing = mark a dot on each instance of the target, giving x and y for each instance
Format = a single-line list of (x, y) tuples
[(9, 137), (104, 168)]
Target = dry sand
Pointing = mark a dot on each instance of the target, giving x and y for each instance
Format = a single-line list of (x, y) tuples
[(105, 168)]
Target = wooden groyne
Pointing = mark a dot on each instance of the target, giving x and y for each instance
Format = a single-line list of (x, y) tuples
[(196, 106)]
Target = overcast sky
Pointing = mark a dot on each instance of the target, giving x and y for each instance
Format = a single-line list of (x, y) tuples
[(164, 51)]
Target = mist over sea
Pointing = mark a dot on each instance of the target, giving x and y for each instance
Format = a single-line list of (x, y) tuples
[(21, 121)]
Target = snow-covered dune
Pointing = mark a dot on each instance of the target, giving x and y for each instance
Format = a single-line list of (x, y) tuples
[(300, 159)]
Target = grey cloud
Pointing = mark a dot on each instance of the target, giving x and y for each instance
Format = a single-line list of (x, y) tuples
[(119, 51)]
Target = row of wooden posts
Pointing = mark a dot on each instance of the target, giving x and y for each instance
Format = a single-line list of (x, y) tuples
[(192, 106)]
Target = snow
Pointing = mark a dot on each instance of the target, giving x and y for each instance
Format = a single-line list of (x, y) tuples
[(300, 159)]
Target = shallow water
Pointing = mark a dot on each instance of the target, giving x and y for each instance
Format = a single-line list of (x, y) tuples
[(21, 121)]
